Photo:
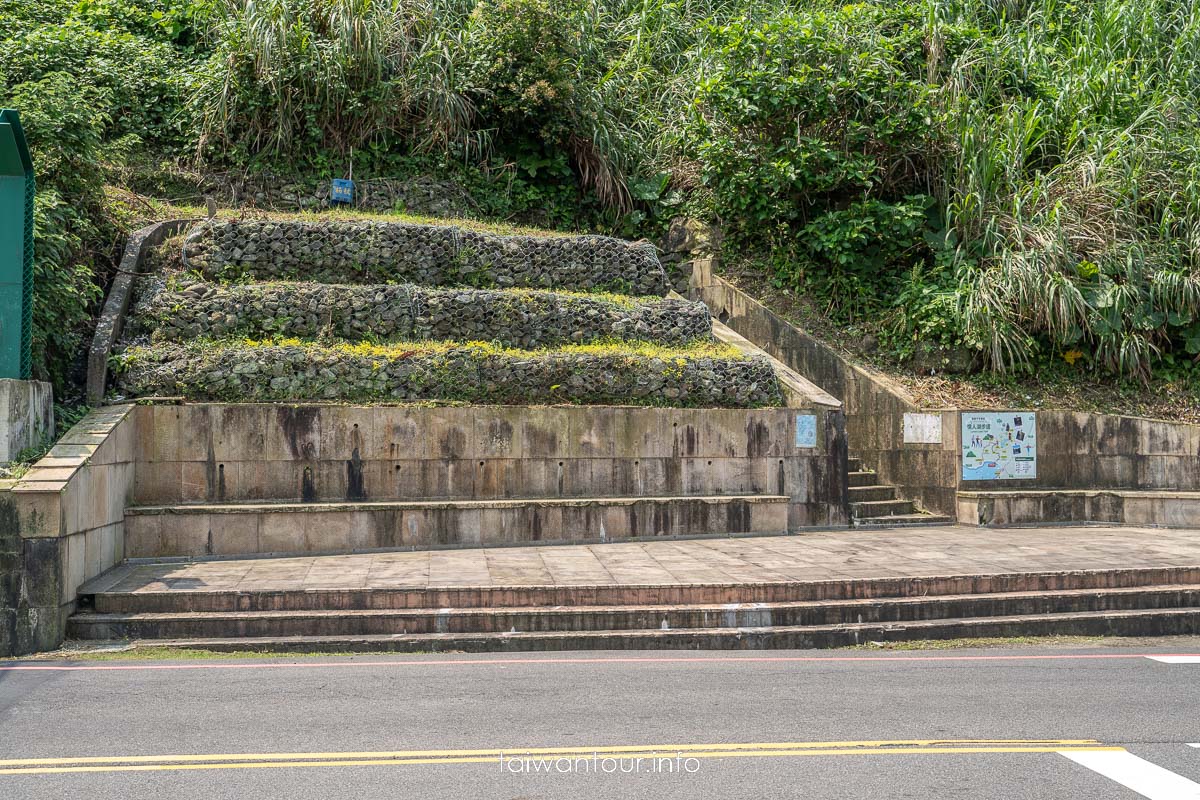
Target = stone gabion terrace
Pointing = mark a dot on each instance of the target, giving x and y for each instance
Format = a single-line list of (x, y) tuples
[(428, 255), (371, 310)]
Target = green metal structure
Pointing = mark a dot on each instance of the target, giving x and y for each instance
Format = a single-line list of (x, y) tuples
[(16, 248)]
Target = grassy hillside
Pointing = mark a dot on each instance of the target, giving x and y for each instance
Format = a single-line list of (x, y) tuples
[(1001, 185)]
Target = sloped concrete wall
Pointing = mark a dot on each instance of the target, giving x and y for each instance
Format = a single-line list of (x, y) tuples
[(112, 318), (61, 524), (874, 407), (310, 453), (1076, 450)]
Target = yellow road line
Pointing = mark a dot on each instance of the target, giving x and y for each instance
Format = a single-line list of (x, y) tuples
[(572, 754), (640, 748)]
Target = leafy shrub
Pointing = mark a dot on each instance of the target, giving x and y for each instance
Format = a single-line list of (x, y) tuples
[(522, 66), (142, 90), (65, 135), (851, 259), (807, 111)]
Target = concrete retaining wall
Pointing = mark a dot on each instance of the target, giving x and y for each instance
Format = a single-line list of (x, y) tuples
[(874, 406), (1076, 450), (1159, 508), (26, 416), (720, 471), (250, 452), (61, 524)]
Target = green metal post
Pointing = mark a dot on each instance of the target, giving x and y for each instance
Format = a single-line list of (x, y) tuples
[(16, 249)]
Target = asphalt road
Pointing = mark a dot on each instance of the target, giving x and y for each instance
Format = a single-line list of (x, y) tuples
[(1026, 723)]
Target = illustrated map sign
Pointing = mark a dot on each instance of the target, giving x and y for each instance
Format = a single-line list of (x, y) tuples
[(999, 445), (806, 430), (922, 428)]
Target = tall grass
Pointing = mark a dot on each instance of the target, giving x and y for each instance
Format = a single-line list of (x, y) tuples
[(288, 76), (1072, 177)]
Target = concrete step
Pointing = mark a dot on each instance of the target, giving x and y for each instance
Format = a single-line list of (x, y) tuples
[(204, 529), (97, 595), (1156, 622), (1012, 507), (619, 618), (902, 521), (861, 478), (880, 508), (862, 494)]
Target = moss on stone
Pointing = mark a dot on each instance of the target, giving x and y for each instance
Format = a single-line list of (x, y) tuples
[(480, 372)]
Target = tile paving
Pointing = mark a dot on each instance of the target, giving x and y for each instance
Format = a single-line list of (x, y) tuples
[(826, 555)]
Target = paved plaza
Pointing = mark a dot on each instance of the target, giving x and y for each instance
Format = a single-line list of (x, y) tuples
[(832, 555)]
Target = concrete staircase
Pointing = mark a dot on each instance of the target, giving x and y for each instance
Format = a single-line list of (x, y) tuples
[(875, 504), (715, 616)]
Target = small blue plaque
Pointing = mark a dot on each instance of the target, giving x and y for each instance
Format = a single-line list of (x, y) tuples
[(806, 430), (342, 191)]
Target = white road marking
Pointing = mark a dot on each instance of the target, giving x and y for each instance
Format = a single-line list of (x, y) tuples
[(1176, 659), (1147, 779)]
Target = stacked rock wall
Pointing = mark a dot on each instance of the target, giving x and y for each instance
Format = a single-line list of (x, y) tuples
[(431, 255), (378, 311), (470, 373), (524, 318)]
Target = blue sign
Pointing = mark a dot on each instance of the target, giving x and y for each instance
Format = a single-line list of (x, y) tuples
[(806, 430), (342, 191)]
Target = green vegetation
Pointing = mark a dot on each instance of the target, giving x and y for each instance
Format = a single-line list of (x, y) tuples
[(616, 348), (1015, 181), (1005, 642)]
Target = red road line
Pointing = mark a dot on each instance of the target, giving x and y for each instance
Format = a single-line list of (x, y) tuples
[(465, 662)]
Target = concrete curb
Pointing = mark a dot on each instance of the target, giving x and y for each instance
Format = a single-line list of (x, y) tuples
[(1157, 622), (112, 317)]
